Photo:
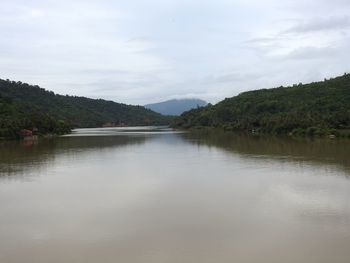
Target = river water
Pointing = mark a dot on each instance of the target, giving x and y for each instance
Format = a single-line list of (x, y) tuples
[(152, 195)]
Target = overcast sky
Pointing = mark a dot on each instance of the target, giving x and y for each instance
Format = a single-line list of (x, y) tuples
[(147, 51)]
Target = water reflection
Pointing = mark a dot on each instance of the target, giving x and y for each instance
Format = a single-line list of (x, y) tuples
[(298, 150), (23, 158), (167, 197), (120, 131)]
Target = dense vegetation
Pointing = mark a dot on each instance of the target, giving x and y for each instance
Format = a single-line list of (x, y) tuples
[(24, 106), (318, 108), (13, 120)]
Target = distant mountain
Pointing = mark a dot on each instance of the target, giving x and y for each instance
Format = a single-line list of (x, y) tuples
[(23, 106), (176, 107), (317, 108)]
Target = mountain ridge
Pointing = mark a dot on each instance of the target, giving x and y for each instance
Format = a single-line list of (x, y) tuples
[(176, 107)]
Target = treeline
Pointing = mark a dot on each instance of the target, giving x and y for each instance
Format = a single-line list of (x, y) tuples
[(315, 109), (26, 106)]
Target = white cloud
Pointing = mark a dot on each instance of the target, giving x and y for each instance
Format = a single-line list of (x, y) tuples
[(144, 51), (320, 24)]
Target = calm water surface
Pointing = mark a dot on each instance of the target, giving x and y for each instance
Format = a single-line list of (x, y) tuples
[(154, 196)]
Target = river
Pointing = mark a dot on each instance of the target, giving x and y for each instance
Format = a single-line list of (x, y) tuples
[(152, 195)]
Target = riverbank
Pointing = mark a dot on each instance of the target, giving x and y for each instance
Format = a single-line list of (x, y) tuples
[(312, 132)]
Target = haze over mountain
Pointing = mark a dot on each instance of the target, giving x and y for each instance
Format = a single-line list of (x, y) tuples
[(176, 106)]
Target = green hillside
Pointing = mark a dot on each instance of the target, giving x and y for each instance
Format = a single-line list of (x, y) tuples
[(313, 109), (13, 119), (25, 106)]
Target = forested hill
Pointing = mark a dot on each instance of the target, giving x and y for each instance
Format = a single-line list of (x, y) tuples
[(314, 109), (20, 102), (14, 120)]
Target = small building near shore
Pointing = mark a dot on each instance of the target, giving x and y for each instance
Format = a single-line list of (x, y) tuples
[(26, 133)]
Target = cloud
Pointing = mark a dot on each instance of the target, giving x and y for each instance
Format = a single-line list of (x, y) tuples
[(231, 78), (320, 25), (144, 51), (311, 53)]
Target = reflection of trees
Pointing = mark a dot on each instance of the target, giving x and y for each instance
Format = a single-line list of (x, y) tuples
[(27, 157), (290, 149)]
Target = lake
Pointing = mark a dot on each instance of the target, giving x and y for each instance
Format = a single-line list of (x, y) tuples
[(152, 195)]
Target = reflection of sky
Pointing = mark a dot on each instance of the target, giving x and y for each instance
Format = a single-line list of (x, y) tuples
[(165, 200)]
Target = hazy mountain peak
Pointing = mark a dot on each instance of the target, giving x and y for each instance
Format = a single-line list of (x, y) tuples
[(176, 106)]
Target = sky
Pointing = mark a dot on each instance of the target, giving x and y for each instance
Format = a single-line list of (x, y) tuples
[(145, 51)]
